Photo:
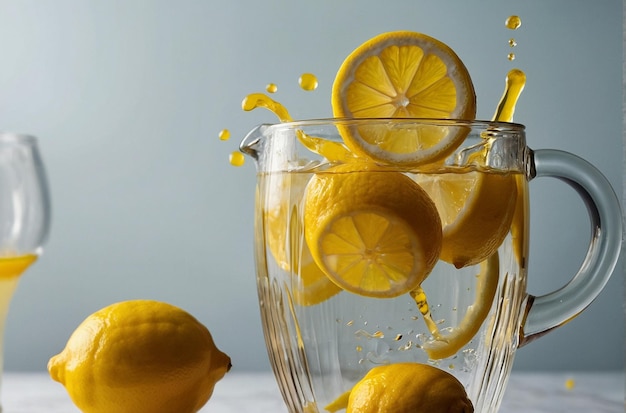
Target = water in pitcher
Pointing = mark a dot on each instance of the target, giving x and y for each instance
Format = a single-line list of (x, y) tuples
[(335, 336)]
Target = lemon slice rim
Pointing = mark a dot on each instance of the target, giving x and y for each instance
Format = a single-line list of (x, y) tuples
[(458, 337), (414, 278), (465, 97)]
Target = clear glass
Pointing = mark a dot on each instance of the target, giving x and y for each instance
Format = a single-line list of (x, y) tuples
[(24, 214), (322, 340)]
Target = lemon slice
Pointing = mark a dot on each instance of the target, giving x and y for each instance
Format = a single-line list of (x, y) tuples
[(476, 210), (373, 232), (446, 345), (403, 75)]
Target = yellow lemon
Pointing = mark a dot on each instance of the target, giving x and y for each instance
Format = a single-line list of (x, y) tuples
[(283, 233), (403, 74), (406, 388), (373, 232), (476, 210), (139, 356)]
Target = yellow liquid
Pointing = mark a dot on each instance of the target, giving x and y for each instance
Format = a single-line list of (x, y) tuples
[(236, 158), (10, 270), (12, 267), (271, 88), (515, 82), (333, 151), (513, 22), (224, 135), (308, 81)]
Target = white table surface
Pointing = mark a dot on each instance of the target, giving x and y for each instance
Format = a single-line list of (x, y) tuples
[(257, 392)]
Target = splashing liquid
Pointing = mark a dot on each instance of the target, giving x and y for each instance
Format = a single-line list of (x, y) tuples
[(308, 81), (259, 100), (333, 151), (419, 296), (513, 22), (224, 135), (515, 82), (271, 88), (236, 158)]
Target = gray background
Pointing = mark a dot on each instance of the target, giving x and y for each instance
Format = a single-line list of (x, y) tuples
[(128, 96)]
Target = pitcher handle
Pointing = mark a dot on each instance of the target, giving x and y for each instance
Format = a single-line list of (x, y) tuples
[(546, 312)]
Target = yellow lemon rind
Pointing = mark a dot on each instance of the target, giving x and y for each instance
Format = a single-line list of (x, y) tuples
[(486, 286), (464, 99)]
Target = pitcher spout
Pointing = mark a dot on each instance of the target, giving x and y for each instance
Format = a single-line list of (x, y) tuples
[(250, 145)]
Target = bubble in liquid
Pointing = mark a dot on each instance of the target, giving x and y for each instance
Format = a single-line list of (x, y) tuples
[(271, 88), (308, 81), (511, 56), (224, 135), (236, 158), (407, 346), (513, 22)]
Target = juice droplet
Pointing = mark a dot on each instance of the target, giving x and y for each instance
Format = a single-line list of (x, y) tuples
[(236, 159), (512, 42), (308, 81), (515, 81), (513, 22), (570, 384), (224, 135), (271, 88), (359, 348), (511, 56), (398, 337)]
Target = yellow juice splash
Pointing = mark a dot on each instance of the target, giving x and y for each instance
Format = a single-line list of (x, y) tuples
[(513, 22), (308, 81), (224, 135), (333, 151), (515, 82)]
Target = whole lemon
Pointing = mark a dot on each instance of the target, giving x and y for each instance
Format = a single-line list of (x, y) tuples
[(408, 388), (374, 231), (139, 356)]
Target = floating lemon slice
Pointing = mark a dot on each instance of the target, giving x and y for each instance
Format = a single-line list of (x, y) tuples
[(476, 210), (373, 232), (446, 345), (403, 75)]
